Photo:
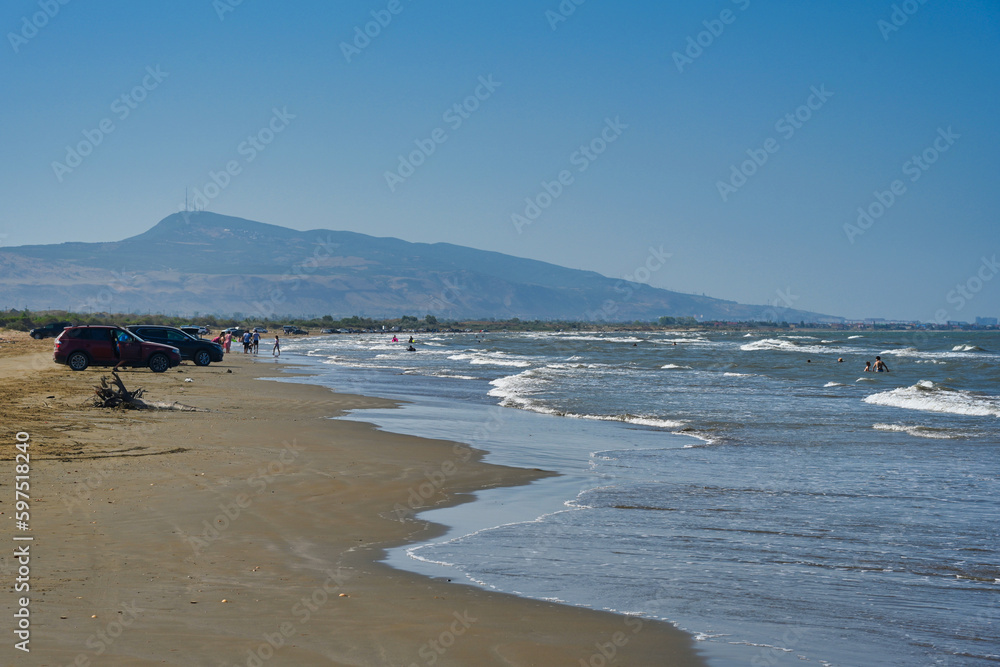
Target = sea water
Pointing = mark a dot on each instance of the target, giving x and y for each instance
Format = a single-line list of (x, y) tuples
[(783, 506)]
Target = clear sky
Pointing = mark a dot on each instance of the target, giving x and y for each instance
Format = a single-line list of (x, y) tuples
[(738, 137)]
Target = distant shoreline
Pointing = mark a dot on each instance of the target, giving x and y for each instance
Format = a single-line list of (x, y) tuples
[(27, 320)]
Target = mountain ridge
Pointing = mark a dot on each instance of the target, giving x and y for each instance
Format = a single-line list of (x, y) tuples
[(206, 262)]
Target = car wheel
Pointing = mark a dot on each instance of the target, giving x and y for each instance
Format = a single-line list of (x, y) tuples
[(78, 361), (202, 358), (36, 336), (159, 363)]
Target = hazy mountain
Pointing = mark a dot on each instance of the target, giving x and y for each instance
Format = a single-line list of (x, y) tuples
[(210, 263)]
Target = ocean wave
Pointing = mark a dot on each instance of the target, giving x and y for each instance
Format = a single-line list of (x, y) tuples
[(705, 438), (449, 374), (490, 359), (780, 345), (515, 391), (769, 344), (676, 366), (921, 431), (737, 375), (930, 397), (835, 384), (638, 420), (957, 352), (853, 337)]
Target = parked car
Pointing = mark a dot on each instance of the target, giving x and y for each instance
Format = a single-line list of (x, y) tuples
[(102, 345), (327, 331), (191, 331), (49, 330), (259, 329), (202, 352)]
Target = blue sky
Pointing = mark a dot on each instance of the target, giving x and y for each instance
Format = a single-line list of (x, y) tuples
[(739, 137)]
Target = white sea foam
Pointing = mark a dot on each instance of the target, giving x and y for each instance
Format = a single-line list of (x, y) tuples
[(769, 344), (490, 359), (514, 391), (958, 352), (920, 431), (930, 397), (853, 337), (676, 366), (781, 345), (448, 374), (834, 384), (638, 420), (738, 375)]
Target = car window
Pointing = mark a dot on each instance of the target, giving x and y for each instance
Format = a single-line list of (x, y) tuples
[(94, 334), (175, 335)]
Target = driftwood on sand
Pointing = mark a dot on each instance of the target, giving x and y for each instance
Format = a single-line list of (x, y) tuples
[(114, 394)]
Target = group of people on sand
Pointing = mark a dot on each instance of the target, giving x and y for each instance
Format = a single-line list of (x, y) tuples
[(251, 342)]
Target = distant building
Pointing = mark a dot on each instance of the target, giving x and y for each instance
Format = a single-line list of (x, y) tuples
[(986, 321)]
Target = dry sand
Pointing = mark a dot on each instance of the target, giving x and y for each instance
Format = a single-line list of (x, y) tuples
[(248, 534)]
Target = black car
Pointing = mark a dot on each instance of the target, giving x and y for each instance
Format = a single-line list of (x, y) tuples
[(202, 352), (49, 330)]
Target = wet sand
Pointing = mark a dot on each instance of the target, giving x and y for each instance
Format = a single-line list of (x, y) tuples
[(248, 533)]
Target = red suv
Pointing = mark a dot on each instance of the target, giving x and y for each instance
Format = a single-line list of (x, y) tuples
[(98, 345)]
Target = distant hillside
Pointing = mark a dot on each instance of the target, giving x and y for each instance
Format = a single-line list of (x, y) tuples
[(209, 263)]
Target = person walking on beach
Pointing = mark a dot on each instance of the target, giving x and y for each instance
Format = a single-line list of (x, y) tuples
[(117, 340), (246, 342), (227, 341), (276, 350), (880, 366), (256, 341)]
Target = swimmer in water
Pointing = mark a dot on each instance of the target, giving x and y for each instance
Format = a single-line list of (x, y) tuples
[(880, 366)]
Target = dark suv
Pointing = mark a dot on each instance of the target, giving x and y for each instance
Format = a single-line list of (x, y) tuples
[(101, 345), (49, 330), (202, 352)]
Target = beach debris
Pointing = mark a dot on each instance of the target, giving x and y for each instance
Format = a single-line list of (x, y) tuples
[(188, 380), (114, 394)]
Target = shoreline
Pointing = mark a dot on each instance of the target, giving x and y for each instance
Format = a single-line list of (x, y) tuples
[(252, 533)]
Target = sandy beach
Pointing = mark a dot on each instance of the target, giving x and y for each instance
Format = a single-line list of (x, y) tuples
[(248, 532)]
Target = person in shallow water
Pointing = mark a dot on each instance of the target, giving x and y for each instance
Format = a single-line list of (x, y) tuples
[(868, 367), (880, 366)]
